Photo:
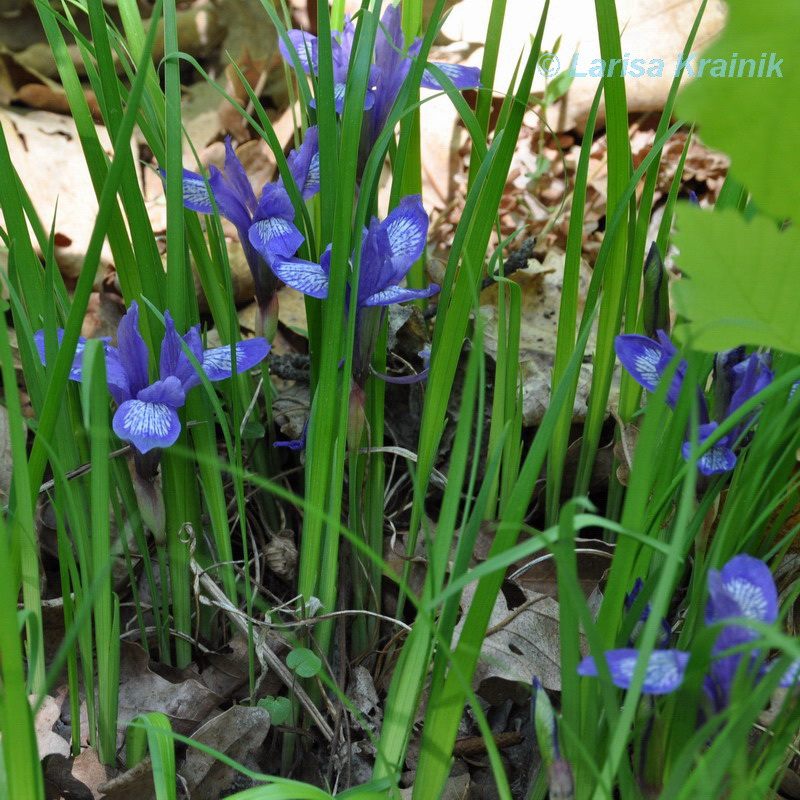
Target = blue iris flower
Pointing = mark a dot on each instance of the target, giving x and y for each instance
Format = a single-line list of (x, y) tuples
[(147, 411), (743, 589), (737, 378), (265, 224), (392, 65), (388, 249)]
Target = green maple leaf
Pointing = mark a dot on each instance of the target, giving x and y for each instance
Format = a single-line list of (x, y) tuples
[(755, 120), (743, 284)]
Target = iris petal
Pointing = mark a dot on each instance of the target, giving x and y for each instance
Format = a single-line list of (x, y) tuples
[(792, 675), (305, 276), (237, 177), (75, 372), (407, 229), (133, 352), (396, 294), (305, 46), (304, 164), (230, 204), (462, 77), (151, 421), (174, 360), (195, 192), (664, 674), (217, 363), (275, 236), (116, 377), (750, 583)]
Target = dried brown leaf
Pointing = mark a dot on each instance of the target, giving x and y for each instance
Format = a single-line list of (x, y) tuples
[(237, 733), (185, 700)]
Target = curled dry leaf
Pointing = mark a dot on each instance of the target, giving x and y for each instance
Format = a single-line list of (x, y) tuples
[(89, 771), (185, 701), (521, 641), (227, 671), (280, 553), (537, 573), (237, 733), (361, 692), (290, 410), (133, 784), (47, 740), (59, 780)]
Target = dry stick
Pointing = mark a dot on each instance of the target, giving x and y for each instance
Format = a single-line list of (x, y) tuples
[(272, 660), (436, 477)]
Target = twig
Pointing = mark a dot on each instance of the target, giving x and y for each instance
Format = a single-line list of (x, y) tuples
[(273, 661), (436, 476)]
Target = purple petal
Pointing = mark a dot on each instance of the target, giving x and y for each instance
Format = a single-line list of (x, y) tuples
[(723, 671), (75, 372), (717, 460), (389, 38), (133, 352), (792, 675), (750, 377), (291, 444), (217, 363), (274, 202), (665, 669), (275, 236), (393, 62), (339, 90), (720, 458), (396, 294), (173, 359), (407, 229), (647, 360), (151, 421), (305, 45), (237, 177), (304, 164), (630, 597), (402, 379), (116, 377), (462, 77), (744, 588), (230, 204), (644, 359), (295, 444), (195, 192), (168, 391), (305, 276)]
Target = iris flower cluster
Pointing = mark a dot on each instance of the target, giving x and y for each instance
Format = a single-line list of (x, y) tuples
[(265, 224), (387, 74), (742, 590), (737, 378)]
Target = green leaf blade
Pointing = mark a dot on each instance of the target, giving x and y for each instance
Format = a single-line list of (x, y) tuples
[(742, 281)]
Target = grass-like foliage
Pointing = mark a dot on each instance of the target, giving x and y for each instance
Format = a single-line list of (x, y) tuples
[(155, 449)]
